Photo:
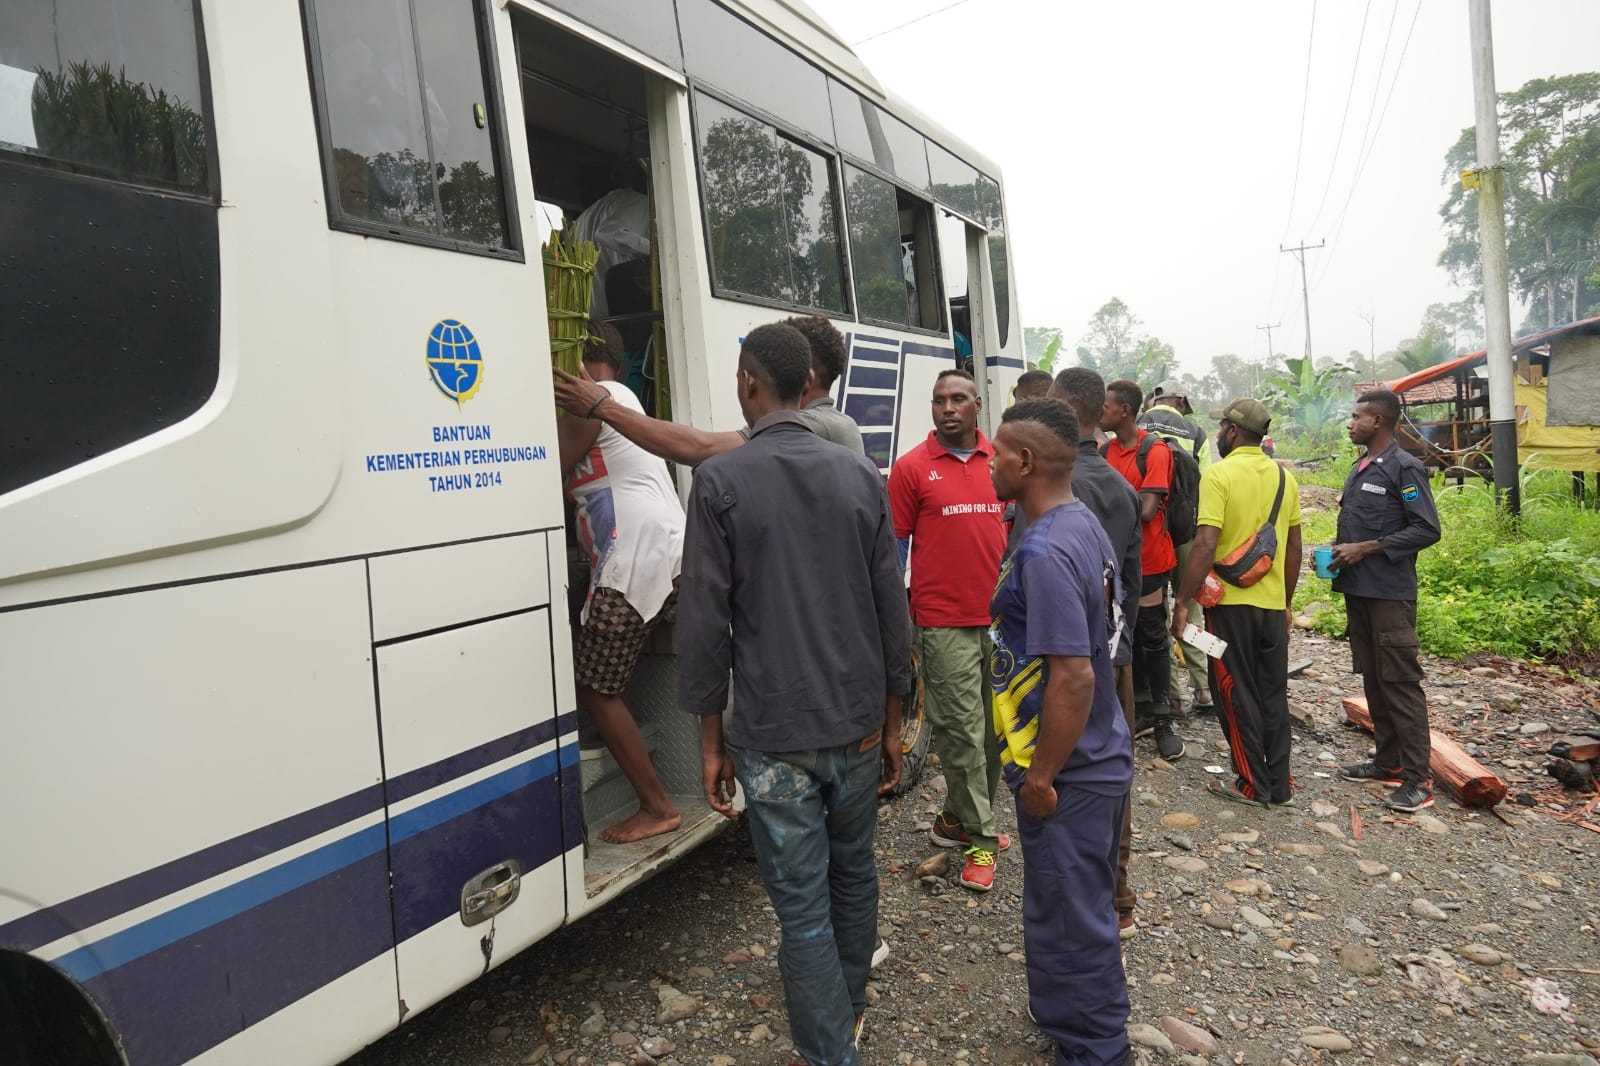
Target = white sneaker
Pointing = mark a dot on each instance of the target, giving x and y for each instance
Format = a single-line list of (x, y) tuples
[(880, 953)]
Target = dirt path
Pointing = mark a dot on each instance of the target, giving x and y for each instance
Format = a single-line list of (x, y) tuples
[(1255, 925)]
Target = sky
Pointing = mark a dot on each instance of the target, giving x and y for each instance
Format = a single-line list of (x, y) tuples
[(1150, 147)]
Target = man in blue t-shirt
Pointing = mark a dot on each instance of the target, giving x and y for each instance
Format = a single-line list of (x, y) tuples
[(1065, 746)]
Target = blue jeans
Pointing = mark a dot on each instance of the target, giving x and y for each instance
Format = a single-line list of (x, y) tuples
[(1076, 987), (812, 815)]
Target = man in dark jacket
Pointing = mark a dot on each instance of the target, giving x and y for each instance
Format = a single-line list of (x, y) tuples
[(1113, 502), (791, 583), (1387, 516)]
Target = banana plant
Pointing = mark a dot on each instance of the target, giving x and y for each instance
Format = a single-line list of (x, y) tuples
[(1309, 401)]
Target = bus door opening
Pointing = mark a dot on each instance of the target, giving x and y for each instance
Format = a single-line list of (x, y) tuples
[(586, 115)]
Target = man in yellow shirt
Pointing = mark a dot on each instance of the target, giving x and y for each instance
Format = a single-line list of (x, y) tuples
[(1241, 497)]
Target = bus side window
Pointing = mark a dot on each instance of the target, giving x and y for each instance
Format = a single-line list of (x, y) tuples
[(771, 212), (110, 246), (410, 121), (991, 212), (107, 86), (891, 252)]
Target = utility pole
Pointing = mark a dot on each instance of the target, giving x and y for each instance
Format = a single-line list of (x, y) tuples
[(1489, 179), (1299, 252), (1269, 327), (1370, 317)]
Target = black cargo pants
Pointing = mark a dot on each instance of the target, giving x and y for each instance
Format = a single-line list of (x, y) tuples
[(1250, 685), (1383, 650)]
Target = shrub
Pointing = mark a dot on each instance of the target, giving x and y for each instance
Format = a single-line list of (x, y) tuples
[(1528, 589)]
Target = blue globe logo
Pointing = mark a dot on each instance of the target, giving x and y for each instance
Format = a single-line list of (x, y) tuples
[(454, 360)]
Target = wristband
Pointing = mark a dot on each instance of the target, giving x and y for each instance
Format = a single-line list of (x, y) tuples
[(597, 404)]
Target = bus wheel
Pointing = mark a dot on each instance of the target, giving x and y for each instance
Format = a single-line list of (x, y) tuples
[(46, 1020), (914, 731)]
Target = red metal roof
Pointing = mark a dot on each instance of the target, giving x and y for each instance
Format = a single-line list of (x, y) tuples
[(1407, 384)]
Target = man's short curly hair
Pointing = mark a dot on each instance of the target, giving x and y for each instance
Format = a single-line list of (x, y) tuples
[(1053, 415), (604, 345), (827, 346)]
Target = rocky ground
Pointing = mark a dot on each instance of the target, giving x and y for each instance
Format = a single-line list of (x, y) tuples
[(1330, 932)]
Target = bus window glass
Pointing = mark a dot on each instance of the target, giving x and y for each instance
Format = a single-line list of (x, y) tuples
[(651, 27), (954, 183), (891, 251), (458, 102), (811, 219), (771, 214), (412, 149), (739, 157), (369, 77), (991, 212), (112, 86), (868, 132), (727, 52)]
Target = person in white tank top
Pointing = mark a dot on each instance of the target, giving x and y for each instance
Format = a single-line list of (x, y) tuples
[(630, 524)]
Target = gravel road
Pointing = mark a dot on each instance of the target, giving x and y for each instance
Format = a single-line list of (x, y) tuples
[(1452, 938)]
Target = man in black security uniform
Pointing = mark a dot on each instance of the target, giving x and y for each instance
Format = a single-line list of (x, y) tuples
[(1387, 516)]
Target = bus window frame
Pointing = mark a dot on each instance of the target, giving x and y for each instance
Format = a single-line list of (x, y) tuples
[(942, 302), (495, 101), (212, 191), (809, 143)]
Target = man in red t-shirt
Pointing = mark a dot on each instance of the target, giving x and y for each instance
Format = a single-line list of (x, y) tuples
[(1152, 648), (946, 513)]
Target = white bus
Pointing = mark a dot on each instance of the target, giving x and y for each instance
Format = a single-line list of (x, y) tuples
[(288, 748)]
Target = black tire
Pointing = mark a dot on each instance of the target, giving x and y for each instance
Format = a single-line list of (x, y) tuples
[(915, 732)]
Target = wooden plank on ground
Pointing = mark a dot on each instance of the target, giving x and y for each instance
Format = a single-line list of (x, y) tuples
[(1467, 779), (1578, 749)]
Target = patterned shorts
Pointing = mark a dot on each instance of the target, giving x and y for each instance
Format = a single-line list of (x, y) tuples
[(610, 641)]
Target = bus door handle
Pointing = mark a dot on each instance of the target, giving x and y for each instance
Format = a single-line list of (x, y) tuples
[(491, 892)]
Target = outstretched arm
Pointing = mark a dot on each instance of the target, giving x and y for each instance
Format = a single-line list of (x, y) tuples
[(670, 440)]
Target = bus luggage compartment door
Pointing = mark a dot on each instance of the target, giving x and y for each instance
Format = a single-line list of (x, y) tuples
[(472, 770)]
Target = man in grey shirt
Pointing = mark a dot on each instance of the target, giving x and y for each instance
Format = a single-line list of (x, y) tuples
[(791, 581), (690, 446)]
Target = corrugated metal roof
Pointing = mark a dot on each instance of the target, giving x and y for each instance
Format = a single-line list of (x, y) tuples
[(1407, 384)]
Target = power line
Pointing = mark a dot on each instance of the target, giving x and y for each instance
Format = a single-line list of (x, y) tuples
[(1366, 156), (1338, 144), (908, 22), (1300, 142)]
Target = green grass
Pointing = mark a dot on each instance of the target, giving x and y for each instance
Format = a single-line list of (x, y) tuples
[(1528, 589)]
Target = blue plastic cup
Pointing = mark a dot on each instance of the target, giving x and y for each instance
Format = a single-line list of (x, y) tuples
[(1323, 557)]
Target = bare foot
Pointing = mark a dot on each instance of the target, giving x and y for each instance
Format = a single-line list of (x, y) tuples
[(639, 826)]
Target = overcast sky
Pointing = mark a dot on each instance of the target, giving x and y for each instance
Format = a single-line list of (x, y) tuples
[(1149, 149)]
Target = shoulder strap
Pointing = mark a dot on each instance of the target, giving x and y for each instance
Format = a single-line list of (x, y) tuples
[(1277, 501), (1105, 449), (1144, 451)]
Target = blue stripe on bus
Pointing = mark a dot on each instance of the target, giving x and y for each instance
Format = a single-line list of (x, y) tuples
[(876, 355), (886, 342), (874, 377), (187, 919), (34, 930), (936, 351), (178, 1001), (1005, 360)]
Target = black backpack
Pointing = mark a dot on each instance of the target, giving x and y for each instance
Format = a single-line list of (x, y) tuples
[(1183, 497)]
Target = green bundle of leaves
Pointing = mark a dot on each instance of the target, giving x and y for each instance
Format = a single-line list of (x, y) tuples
[(1528, 589)]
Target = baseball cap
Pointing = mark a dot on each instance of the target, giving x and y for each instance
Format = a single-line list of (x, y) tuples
[(1246, 413)]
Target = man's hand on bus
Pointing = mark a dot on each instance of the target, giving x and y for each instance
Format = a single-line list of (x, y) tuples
[(577, 395), (716, 766)]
